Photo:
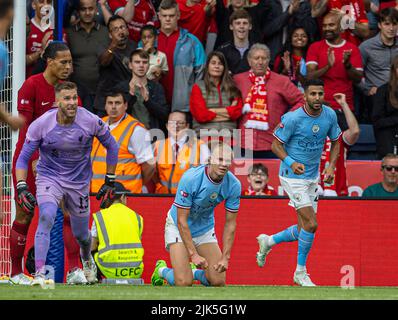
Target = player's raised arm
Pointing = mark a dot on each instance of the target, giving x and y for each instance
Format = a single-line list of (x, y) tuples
[(334, 135), (107, 190)]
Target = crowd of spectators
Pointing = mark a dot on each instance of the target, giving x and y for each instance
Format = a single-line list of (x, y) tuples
[(170, 74)]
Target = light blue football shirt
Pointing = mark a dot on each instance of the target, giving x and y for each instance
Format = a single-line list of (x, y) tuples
[(3, 62), (197, 192), (303, 136)]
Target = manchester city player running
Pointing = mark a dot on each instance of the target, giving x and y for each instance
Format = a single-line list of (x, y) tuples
[(189, 229), (64, 136), (299, 142)]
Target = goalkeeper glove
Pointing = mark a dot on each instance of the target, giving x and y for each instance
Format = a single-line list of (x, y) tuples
[(107, 191), (26, 199)]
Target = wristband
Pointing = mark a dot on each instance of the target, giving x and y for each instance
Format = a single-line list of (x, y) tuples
[(110, 179), (288, 161)]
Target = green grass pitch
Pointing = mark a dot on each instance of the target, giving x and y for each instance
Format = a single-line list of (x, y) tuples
[(147, 292)]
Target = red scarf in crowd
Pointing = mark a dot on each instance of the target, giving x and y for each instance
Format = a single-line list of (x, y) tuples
[(256, 102)]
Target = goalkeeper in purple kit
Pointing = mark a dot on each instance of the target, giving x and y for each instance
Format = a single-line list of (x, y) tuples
[(64, 137)]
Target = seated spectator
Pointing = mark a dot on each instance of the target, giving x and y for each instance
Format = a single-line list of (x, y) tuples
[(389, 186), (266, 97), (179, 152), (112, 60), (216, 102), (235, 51), (195, 16), (38, 28), (377, 54), (354, 10), (336, 61), (146, 99), (136, 164), (84, 39), (385, 114), (115, 232), (224, 13), (136, 13), (349, 137), (281, 17), (157, 59), (185, 57), (258, 181), (291, 60)]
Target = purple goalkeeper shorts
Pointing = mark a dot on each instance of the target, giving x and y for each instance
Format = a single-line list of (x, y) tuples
[(76, 200)]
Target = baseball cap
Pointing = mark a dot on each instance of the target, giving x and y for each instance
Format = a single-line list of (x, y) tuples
[(120, 189)]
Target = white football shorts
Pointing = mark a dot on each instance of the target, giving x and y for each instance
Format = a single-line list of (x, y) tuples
[(172, 235), (302, 193)]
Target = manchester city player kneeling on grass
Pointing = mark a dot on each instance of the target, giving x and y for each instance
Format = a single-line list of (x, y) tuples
[(300, 138), (64, 137), (189, 229)]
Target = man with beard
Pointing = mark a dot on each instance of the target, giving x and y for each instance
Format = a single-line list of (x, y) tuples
[(93, 35), (113, 62), (336, 61), (35, 97), (299, 141)]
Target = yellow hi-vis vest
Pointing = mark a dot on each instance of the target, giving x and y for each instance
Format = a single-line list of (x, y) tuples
[(128, 171), (169, 169), (120, 250)]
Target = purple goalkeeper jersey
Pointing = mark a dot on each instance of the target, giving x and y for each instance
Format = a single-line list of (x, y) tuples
[(65, 150)]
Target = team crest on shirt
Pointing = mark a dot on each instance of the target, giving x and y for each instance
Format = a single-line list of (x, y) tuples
[(297, 197), (213, 196), (315, 128)]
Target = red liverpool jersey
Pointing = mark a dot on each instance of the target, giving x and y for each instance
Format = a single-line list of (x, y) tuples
[(340, 180), (144, 13), (34, 41)]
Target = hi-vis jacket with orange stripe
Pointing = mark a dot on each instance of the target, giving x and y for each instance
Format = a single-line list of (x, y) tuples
[(120, 252), (170, 170), (128, 171)]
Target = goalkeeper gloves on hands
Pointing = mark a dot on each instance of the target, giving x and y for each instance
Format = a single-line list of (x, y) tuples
[(26, 199), (107, 191)]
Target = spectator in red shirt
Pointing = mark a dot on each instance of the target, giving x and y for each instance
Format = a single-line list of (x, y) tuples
[(137, 13), (195, 16), (258, 181), (36, 97), (354, 10), (39, 27), (336, 61), (349, 137), (216, 102), (185, 57), (266, 97)]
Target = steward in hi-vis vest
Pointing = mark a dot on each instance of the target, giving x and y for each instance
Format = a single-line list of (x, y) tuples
[(117, 233)]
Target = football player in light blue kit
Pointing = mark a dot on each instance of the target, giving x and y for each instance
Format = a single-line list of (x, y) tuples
[(15, 122), (189, 229), (299, 142)]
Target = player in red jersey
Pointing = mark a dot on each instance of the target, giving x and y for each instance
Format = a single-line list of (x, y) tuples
[(39, 27), (35, 97), (137, 13), (355, 9), (349, 137)]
